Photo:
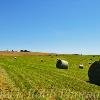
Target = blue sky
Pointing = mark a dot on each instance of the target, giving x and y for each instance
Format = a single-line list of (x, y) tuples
[(61, 26)]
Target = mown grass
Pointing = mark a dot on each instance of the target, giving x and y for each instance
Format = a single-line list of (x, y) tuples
[(36, 80)]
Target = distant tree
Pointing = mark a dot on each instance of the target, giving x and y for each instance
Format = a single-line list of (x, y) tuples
[(24, 51), (12, 50), (21, 51)]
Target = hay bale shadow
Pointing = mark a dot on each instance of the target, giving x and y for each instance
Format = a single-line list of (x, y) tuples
[(92, 83)]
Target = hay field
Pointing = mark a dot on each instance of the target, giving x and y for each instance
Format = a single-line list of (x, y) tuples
[(27, 78)]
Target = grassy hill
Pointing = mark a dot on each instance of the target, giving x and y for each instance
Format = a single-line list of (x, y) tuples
[(28, 78)]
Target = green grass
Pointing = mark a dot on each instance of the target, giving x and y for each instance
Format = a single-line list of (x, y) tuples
[(36, 80)]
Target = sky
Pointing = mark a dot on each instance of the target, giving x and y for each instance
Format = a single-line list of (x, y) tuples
[(58, 26)]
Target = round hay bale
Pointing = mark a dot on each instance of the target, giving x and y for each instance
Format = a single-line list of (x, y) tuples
[(41, 60), (62, 64), (81, 66), (90, 59), (15, 57), (90, 63), (94, 73)]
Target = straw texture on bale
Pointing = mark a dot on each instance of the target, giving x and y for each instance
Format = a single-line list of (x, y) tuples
[(62, 64), (94, 73)]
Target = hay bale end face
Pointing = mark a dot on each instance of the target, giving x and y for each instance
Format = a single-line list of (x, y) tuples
[(94, 73), (62, 64)]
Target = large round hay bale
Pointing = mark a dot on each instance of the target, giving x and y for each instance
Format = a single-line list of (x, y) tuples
[(62, 64), (94, 73)]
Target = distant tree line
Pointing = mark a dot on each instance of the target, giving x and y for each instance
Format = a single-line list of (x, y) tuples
[(24, 51)]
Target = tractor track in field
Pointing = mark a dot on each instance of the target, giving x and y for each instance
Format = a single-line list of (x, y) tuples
[(7, 88)]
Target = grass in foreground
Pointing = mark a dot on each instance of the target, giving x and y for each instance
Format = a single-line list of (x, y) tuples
[(31, 79)]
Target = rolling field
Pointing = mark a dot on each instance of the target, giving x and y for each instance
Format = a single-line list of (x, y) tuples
[(27, 78)]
